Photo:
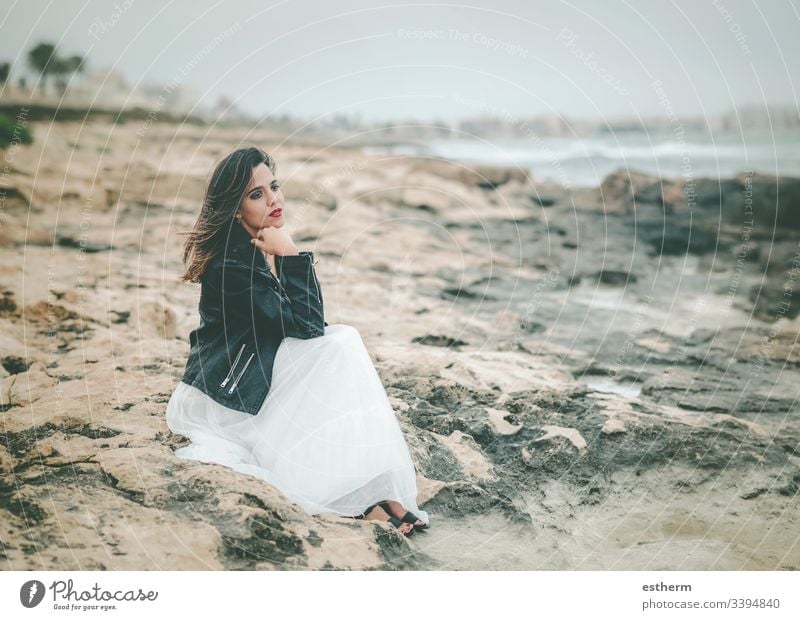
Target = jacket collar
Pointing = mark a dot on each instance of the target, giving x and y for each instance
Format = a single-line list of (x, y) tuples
[(237, 245)]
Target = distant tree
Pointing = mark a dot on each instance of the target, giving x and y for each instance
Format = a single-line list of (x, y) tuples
[(42, 58), (64, 67), (74, 63), (5, 69)]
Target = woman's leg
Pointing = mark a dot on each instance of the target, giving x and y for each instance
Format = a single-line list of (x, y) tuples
[(379, 514), (398, 510)]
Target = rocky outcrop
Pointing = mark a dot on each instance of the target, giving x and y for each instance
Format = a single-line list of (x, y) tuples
[(573, 399), (757, 201)]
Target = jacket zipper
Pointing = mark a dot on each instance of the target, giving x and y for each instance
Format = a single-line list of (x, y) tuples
[(233, 366), (236, 382), (280, 290), (316, 280)]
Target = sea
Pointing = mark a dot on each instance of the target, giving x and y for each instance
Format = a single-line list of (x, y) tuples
[(585, 162)]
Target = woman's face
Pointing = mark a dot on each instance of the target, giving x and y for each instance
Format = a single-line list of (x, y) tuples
[(262, 205)]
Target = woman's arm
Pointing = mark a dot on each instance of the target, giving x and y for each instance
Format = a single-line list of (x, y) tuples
[(297, 275), (249, 295)]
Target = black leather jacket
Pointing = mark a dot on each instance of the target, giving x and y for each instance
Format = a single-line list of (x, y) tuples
[(245, 313)]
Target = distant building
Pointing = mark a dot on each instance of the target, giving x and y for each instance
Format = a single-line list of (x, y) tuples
[(102, 88)]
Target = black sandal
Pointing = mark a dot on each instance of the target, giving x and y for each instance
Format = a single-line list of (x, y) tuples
[(397, 523), (409, 517)]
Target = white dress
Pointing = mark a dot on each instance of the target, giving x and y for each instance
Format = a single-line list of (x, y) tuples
[(326, 435)]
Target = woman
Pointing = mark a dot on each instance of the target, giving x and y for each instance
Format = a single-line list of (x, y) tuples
[(270, 389)]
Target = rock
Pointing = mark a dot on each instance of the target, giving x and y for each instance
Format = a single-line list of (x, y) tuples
[(474, 175), (674, 238), (761, 202), (501, 425), (472, 461), (672, 195), (784, 347), (544, 201), (617, 278), (13, 199), (490, 177), (571, 434), (439, 341), (82, 244), (8, 306), (6, 462), (613, 425), (771, 202), (13, 364), (775, 295), (26, 387), (621, 190)]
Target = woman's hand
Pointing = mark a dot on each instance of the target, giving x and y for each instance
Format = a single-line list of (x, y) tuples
[(275, 241)]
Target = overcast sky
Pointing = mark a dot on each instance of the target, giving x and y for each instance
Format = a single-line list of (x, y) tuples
[(443, 60)]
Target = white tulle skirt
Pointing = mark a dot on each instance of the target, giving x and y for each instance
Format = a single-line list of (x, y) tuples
[(326, 435)]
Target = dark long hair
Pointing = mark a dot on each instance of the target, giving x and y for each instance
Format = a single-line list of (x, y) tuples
[(223, 196)]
